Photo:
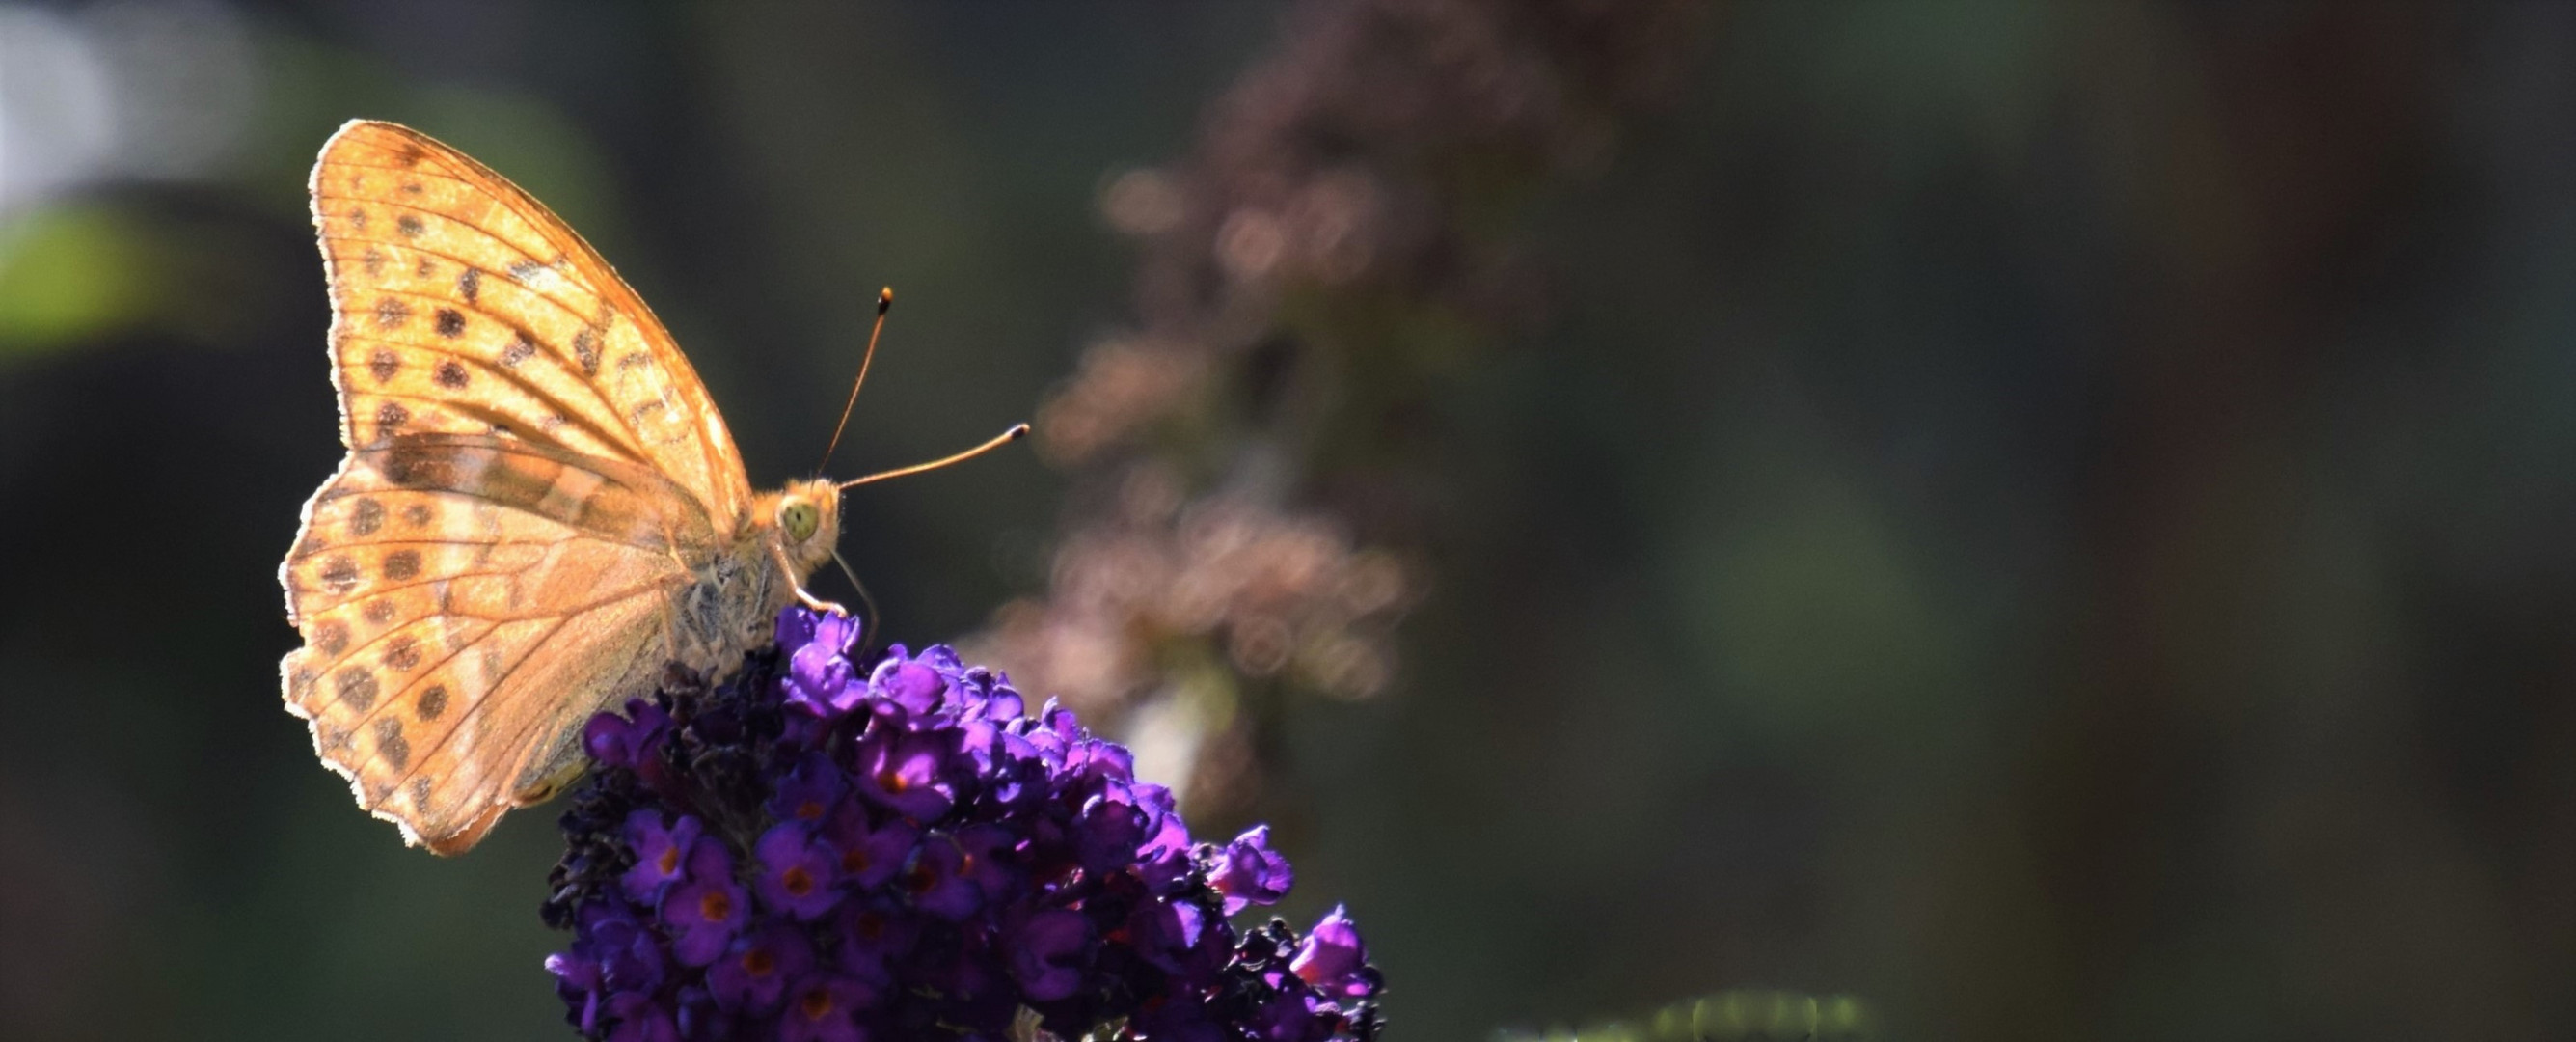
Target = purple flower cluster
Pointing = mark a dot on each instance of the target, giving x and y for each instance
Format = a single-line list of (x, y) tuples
[(820, 851)]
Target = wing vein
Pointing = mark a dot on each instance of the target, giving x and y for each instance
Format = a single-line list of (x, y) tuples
[(490, 694), (630, 442), (553, 355), (619, 298), (425, 251), (425, 676)]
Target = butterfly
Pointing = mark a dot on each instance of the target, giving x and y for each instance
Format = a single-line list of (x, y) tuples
[(540, 506)]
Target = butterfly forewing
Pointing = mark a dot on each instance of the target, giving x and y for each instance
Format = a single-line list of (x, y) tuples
[(534, 476), (464, 279)]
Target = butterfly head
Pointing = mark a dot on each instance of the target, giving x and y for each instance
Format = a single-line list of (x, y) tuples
[(807, 518)]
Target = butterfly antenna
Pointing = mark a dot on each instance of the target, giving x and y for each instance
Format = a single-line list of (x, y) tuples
[(885, 300), (1006, 437), (868, 616)]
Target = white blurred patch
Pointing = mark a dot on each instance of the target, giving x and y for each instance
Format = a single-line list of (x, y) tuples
[(1165, 734), (57, 124), (121, 90)]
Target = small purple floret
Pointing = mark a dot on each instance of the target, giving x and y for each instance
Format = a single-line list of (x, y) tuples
[(810, 790), (659, 853), (914, 687), (819, 676), (797, 870), (626, 741), (825, 1009), (936, 882), (754, 975), (902, 771), (1332, 956), (705, 911), (869, 855), (1248, 872)]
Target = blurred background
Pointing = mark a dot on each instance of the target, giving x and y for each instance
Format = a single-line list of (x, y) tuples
[(2027, 521)]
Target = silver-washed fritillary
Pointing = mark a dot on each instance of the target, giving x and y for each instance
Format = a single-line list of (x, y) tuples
[(540, 505)]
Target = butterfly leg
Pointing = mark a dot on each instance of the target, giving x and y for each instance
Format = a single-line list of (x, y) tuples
[(819, 604), (803, 595)]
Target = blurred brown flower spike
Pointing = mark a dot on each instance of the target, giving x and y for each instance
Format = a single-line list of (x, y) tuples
[(1250, 457)]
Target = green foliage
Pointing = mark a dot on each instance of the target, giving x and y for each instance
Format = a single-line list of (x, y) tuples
[(69, 274)]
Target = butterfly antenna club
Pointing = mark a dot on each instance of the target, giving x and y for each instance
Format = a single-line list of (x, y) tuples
[(885, 301)]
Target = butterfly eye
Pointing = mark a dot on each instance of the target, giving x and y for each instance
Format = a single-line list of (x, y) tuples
[(798, 519)]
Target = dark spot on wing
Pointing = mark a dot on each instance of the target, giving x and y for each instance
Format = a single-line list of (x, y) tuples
[(420, 466), (390, 744), (358, 218), (368, 516), (402, 654), (424, 269), (585, 349), (450, 374), (451, 323), (402, 564), (373, 260), (384, 364), (331, 638), (389, 417), (520, 349), (631, 359), (409, 225), (523, 270), (391, 312), (411, 188), (340, 573), (432, 703), (357, 687), (416, 514), (420, 791), (378, 612), (470, 285), (409, 154)]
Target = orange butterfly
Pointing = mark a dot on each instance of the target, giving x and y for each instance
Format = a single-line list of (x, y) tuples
[(540, 505)]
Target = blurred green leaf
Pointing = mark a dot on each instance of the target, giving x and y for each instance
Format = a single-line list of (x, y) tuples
[(68, 274)]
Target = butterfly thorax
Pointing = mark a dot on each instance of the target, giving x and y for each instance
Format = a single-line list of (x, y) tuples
[(729, 607)]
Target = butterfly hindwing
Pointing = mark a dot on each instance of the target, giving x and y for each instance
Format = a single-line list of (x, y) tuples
[(464, 602)]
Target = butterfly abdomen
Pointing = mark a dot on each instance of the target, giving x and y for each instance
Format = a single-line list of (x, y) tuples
[(729, 609)]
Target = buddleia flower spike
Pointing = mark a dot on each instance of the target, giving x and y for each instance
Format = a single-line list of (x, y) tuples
[(823, 848)]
